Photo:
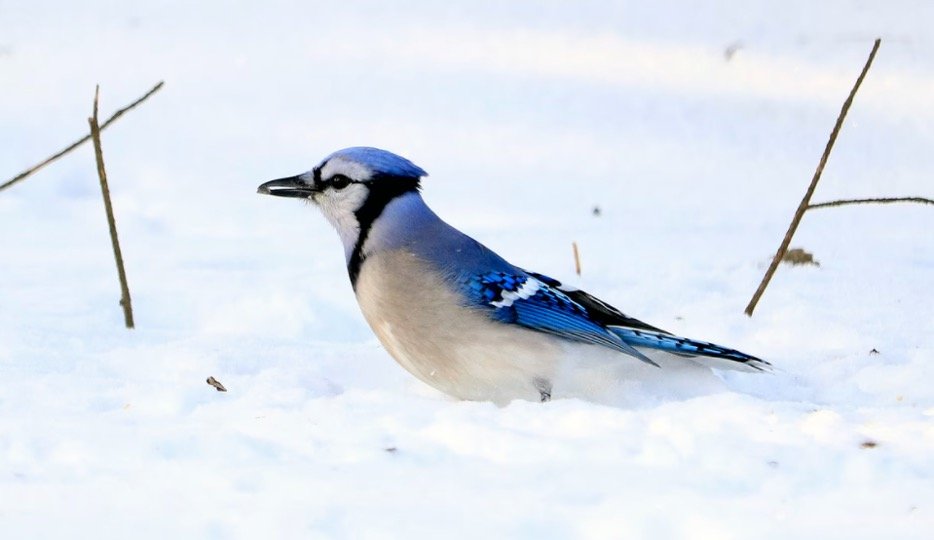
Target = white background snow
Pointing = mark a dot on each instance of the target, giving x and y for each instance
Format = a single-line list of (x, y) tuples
[(527, 115)]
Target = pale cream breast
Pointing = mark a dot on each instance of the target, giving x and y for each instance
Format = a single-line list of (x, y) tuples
[(425, 326)]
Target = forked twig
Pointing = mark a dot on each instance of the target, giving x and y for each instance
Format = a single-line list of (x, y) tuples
[(805, 201), (111, 222), (79, 142)]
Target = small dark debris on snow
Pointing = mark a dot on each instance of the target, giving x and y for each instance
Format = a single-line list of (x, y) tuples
[(391, 449), (868, 444), (596, 211), (216, 384), (731, 50), (798, 256)]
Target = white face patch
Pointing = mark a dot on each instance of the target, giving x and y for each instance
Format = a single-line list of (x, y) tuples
[(339, 207), (527, 290), (351, 169)]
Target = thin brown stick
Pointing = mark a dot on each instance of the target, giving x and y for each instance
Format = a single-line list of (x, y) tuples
[(111, 222), (877, 200), (805, 201), (80, 141), (577, 258)]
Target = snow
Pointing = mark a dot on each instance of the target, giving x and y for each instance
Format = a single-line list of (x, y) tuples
[(526, 115)]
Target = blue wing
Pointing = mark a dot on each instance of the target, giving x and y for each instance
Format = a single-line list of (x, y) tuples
[(543, 304), (530, 301)]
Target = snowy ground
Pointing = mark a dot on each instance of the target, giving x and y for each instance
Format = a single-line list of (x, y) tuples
[(527, 116)]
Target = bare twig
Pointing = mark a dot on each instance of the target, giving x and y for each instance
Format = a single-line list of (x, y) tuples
[(80, 141), (111, 223), (877, 200), (805, 201), (577, 258)]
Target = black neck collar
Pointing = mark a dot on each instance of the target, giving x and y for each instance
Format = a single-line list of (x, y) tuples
[(383, 189)]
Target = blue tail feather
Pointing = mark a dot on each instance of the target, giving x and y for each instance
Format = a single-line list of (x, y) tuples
[(684, 346)]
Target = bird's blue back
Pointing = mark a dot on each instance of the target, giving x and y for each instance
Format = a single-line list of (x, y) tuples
[(487, 282)]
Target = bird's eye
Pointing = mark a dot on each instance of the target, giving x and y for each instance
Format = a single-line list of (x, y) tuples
[(340, 182)]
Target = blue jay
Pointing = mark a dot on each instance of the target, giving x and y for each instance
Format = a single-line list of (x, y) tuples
[(457, 315)]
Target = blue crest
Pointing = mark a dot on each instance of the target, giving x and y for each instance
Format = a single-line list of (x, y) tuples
[(380, 161)]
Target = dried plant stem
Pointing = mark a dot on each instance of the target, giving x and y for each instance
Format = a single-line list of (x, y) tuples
[(805, 201), (79, 142), (111, 222), (577, 258), (876, 200)]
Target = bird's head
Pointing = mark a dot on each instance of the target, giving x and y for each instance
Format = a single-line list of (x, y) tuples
[(351, 187)]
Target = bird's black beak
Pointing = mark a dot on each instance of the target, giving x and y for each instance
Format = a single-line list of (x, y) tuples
[(293, 186)]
